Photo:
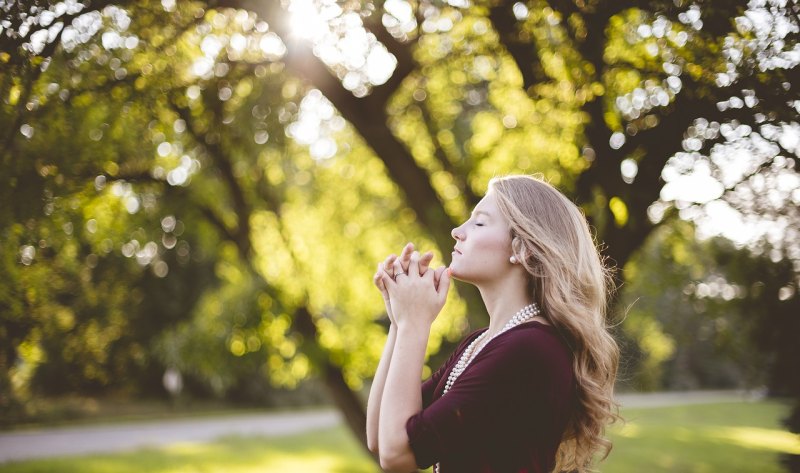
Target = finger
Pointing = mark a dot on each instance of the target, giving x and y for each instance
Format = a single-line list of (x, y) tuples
[(389, 269), (398, 268), (437, 275), (425, 261), (387, 281), (388, 264), (413, 264), (377, 279), (444, 284), (405, 256)]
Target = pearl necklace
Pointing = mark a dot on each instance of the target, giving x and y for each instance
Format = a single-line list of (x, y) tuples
[(525, 314)]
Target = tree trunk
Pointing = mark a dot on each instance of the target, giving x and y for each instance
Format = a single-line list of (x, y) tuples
[(348, 403)]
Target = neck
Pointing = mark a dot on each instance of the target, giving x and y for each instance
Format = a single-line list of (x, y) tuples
[(503, 301)]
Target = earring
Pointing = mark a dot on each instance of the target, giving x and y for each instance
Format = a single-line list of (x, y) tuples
[(513, 260)]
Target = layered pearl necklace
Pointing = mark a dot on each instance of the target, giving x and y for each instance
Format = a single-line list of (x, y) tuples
[(525, 314)]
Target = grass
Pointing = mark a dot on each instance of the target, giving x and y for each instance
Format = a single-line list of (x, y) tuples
[(730, 437), (330, 450)]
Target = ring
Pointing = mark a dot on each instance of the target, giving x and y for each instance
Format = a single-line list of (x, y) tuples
[(399, 274)]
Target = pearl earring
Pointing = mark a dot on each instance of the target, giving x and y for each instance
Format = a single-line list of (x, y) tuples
[(513, 260)]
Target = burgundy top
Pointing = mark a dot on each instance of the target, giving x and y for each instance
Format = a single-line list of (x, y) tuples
[(506, 412)]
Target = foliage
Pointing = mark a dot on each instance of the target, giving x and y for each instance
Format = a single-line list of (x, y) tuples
[(709, 314), (682, 338), (262, 228), (769, 311)]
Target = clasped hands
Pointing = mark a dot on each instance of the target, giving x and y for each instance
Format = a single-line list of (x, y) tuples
[(413, 293)]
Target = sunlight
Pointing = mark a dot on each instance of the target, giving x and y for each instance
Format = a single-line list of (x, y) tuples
[(340, 39), (307, 462), (321, 460), (697, 186), (306, 20), (316, 125), (762, 439), (629, 430)]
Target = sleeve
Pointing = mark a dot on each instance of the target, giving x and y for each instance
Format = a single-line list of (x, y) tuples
[(429, 385), (445, 423), (489, 393)]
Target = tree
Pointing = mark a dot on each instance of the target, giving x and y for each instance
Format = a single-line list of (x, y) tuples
[(688, 316), (254, 201)]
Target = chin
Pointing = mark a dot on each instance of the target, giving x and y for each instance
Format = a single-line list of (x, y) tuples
[(455, 273)]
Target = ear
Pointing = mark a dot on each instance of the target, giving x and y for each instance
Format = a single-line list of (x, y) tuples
[(518, 250)]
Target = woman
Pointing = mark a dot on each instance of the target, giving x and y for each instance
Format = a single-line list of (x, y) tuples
[(533, 392)]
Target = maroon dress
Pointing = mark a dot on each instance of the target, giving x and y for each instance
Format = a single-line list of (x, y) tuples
[(506, 412)]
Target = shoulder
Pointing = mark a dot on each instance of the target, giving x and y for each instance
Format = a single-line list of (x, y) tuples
[(469, 339), (532, 342)]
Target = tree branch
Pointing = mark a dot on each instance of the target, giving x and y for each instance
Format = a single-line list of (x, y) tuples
[(367, 115), (523, 51), (400, 50), (242, 209), (443, 160)]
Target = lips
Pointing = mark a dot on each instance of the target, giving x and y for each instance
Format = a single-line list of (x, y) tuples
[(456, 250)]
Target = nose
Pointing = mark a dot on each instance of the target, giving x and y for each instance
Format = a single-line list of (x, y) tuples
[(457, 234)]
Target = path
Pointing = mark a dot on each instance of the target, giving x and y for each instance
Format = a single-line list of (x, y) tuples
[(677, 398), (60, 441)]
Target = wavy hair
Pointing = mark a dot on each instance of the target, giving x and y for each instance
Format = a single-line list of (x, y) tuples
[(568, 279)]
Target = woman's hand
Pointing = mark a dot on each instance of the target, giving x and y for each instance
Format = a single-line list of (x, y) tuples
[(414, 298), (387, 267), (378, 281)]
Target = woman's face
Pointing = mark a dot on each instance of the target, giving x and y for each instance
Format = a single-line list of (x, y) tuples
[(483, 244)]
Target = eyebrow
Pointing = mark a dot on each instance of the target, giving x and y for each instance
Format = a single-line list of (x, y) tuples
[(476, 212)]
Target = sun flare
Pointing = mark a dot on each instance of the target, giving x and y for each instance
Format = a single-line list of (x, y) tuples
[(306, 20)]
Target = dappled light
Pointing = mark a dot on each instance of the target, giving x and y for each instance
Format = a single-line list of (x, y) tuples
[(316, 125), (663, 438), (325, 451), (341, 40), (759, 439)]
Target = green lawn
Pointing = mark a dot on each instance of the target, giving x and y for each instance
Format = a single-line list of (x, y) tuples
[(327, 451), (725, 437)]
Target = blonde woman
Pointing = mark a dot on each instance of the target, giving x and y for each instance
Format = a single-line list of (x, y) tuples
[(532, 392)]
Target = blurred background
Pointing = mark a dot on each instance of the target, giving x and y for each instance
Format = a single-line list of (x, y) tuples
[(194, 196)]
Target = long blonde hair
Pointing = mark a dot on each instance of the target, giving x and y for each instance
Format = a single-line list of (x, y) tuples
[(551, 239)]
